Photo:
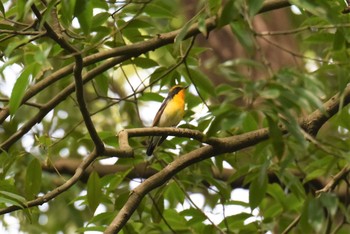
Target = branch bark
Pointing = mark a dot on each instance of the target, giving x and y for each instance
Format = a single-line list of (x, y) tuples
[(60, 189), (311, 125), (55, 34), (129, 51), (144, 171)]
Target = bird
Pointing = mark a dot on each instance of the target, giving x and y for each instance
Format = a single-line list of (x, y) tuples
[(169, 114)]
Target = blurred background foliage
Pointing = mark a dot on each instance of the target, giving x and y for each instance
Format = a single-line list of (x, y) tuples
[(255, 69)]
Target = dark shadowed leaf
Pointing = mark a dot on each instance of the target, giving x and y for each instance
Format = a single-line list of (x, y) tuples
[(243, 34), (94, 192), (157, 208), (20, 88), (254, 6), (276, 137), (228, 13), (12, 198), (33, 178), (148, 96), (257, 189), (83, 11), (2, 9), (102, 84)]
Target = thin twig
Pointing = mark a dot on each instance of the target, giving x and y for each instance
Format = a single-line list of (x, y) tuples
[(311, 124), (302, 29), (33, 104), (291, 225), (195, 206), (161, 214), (334, 180), (16, 32), (77, 71), (57, 191), (300, 55)]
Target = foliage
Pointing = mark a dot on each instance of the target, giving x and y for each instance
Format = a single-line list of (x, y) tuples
[(131, 53)]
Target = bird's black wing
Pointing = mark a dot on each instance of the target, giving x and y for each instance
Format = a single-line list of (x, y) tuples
[(160, 112)]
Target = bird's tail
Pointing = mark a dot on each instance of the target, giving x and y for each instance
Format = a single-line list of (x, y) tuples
[(153, 143)]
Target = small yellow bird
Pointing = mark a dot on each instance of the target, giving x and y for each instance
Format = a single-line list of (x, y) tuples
[(169, 114)]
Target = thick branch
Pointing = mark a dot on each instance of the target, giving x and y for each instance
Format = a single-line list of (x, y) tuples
[(129, 51), (57, 36), (311, 125), (314, 122), (79, 87), (144, 171), (46, 108), (335, 180), (64, 187)]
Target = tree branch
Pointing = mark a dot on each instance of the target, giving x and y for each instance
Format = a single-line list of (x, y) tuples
[(144, 171), (46, 108), (334, 180), (57, 36), (60, 189), (79, 88), (130, 51), (311, 125)]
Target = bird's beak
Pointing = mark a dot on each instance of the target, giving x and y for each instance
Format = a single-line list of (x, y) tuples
[(186, 87)]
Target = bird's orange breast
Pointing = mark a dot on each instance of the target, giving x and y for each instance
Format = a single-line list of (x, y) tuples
[(174, 111)]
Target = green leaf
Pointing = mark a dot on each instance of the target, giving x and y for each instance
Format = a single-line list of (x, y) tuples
[(106, 217), (157, 209), (67, 10), (227, 14), (15, 44), (316, 215), (330, 201), (174, 194), (2, 9), (13, 199), (214, 6), (312, 99), (249, 123), (84, 12), (244, 35), (201, 26), (256, 193), (276, 137), (151, 97), (270, 93), (95, 229), (94, 191), (139, 23), (182, 34), (277, 193), (311, 6), (33, 179), (254, 6), (293, 184), (196, 215), (272, 211), (144, 62), (157, 74), (235, 222), (160, 10), (102, 84), (20, 88), (20, 5), (339, 41), (244, 62), (175, 219), (99, 19), (257, 190), (201, 81)]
